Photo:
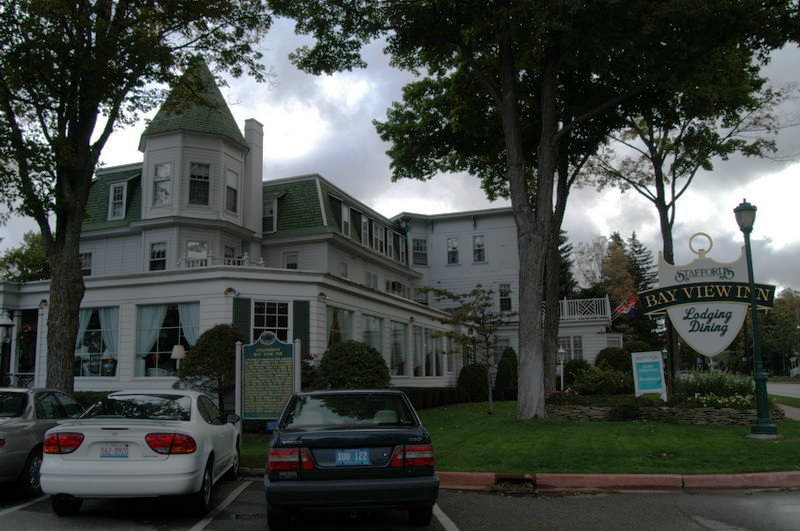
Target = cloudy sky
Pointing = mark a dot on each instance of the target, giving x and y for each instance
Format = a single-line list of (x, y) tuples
[(324, 125)]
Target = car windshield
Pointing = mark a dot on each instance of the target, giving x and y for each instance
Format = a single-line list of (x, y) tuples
[(347, 411), (12, 404), (143, 406)]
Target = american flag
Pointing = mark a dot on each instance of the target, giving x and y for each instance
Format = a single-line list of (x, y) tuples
[(628, 307)]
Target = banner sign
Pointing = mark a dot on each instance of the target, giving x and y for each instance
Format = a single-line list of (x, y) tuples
[(270, 373), (648, 374), (706, 300)]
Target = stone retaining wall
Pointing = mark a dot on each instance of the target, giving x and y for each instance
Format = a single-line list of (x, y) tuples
[(671, 415)]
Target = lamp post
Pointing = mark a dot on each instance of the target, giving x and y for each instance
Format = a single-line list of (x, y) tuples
[(561, 356), (763, 428)]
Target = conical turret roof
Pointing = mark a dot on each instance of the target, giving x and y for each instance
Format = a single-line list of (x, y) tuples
[(196, 104)]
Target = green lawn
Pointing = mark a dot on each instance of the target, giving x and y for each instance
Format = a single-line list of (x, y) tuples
[(786, 400), (465, 438)]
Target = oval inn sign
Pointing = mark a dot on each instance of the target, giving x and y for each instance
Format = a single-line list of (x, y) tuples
[(706, 300)]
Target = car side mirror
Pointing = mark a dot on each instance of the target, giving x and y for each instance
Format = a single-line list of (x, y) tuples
[(233, 418)]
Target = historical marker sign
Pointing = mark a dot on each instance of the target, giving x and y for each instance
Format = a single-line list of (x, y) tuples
[(270, 373)]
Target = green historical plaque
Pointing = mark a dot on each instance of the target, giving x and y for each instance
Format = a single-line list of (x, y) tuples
[(268, 377)]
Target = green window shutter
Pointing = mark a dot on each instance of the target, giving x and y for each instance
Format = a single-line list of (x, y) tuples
[(241, 318), (301, 328)]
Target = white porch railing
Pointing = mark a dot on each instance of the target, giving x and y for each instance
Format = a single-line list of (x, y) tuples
[(211, 260), (584, 309)]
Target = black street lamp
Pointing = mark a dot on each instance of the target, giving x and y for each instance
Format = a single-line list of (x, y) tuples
[(764, 428)]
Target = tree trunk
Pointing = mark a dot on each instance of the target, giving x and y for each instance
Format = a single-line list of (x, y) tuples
[(673, 352)]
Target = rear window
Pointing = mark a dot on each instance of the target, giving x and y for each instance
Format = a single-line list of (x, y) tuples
[(12, 404), (347, 411), (143, 406)]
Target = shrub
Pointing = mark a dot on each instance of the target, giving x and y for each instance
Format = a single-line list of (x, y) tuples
[(472, 383), (601, 381), (210, 365), (719, 383), (565, 398), (310, 377), (614, 358), (354, 365), (572, 369), (505, 383), (428, 397), (636, 345)]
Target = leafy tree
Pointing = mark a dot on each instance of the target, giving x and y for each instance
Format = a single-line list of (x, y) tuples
[(476, 320), (617, 271), (589, 259), (353, 365), (70, 73), (521, 93), (780, 338), (26, 262), (210, 364)]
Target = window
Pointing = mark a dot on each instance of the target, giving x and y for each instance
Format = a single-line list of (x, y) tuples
[(573, 347), (196, 254), (613, 341), (452, 250), (402, 246), (398, 288), (429, 353), (162, 184), (270, 316), (373, 332), (158, 256), (419, 351), (371, 279), (479, 248), (346, 221), (229, 255), (199, 181), (399, 349), (116, 201), (268, 222), (291, 260), (339, 325), (438, 346), (421, 296), (390, 244), (159, 328), (377, 237), (86, 263), (505, 297), (343, 269), (419, 251), (365, 230), (96, 346), (231, 191)]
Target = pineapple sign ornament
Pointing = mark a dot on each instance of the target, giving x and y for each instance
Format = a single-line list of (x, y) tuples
[(706, 300)]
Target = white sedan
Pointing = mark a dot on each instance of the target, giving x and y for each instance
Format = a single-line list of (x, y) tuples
[(141, 444)]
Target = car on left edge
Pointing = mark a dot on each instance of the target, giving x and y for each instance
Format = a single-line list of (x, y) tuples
[(25, 416), (137, 444)]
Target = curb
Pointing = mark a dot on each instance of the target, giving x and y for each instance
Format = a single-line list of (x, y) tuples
[(486, 481)]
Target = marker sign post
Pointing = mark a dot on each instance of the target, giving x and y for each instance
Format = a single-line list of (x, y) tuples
[(648, 374), (268, 372)]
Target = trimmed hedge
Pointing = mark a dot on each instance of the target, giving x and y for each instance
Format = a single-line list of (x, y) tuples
[(428, 397)]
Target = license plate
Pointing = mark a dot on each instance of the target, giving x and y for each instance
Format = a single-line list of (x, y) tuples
[(352, 457), (114, 451)]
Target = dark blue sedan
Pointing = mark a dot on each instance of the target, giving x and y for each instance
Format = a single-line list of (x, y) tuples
[(350, 450)]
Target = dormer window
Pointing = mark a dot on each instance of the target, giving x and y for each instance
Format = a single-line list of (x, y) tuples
[(116, 201), (346, 221), (378, 238), (162, 184), (270, 217), (365, 230), (199, 183), (231, 191)]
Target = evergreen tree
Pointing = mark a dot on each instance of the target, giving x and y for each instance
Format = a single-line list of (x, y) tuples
[(567, 285), (643, 267)]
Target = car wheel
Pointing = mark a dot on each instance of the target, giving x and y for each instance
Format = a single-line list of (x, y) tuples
[(277, 518), (66, 505), (29, 478), (420, 517), (200, 502), (233, 472)]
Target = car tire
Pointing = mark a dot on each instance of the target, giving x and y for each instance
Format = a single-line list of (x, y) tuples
[(200, 501), (420, 517), (29, 477), (65, 505), (233, 472), (277, 519)]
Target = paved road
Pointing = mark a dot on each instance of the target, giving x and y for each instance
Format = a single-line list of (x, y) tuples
[(784, 389)]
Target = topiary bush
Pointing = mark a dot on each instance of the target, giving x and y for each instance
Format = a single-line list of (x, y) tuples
[(472, 383), (354, 365), (614, 358), (505, 383), (602, 381), (572, 369)]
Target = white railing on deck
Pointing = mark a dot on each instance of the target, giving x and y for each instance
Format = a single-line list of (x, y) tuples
[(242, 261), (584, 309)]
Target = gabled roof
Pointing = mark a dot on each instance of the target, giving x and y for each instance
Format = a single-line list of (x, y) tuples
[(96, 217), (195, 105)]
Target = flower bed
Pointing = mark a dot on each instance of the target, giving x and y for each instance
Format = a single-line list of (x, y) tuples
[(671, 415)]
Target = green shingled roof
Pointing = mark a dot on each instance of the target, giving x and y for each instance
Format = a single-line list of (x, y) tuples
[(197, 105), (298, 207), (97, 204)]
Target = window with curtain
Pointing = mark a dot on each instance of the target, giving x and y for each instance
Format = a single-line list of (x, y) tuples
[(429, 353), (159, 328), (373, 332), (96, 347), (439, 348), (419, 354), (339, 325), (399, 348), (271, 316)]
